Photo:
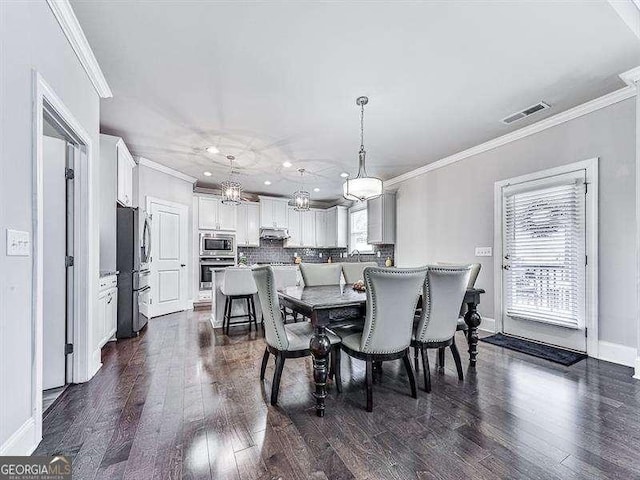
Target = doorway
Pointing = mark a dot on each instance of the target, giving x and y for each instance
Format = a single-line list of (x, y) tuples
[(546, 263), (168, 261), (58, 150)]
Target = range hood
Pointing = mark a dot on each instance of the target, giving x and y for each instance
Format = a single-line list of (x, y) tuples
[(274, 233)]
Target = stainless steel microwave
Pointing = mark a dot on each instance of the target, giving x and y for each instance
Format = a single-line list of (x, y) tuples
[(217, 245)]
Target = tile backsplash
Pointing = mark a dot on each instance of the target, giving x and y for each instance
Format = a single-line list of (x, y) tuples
[(273, 251)]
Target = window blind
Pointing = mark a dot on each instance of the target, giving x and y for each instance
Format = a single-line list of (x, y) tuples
[(544, 230)]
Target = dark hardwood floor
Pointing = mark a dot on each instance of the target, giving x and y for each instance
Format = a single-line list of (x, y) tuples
[(183, 401)]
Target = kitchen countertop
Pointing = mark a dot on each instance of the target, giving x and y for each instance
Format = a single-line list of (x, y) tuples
[(108, 273)]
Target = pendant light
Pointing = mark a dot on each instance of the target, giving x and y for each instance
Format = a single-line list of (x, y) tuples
[(362, 187), (231, 191), (301, 197)]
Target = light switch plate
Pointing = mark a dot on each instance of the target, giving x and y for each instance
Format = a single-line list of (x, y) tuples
[(484, 251), (18, 243)]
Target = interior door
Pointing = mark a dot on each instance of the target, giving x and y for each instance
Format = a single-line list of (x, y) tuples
[(54, 255), (544, 272), (169, 273)]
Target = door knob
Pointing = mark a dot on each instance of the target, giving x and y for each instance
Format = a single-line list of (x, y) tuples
[(183, 265)]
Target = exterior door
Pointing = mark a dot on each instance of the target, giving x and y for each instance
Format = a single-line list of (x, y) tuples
[(169, 273), (544, 258)]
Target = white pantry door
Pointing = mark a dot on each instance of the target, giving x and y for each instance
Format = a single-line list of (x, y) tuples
[(169, 272), (544, 260)]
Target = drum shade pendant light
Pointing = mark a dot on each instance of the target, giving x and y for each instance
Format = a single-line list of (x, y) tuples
[(301, 197), (231, 191), (362, 187)]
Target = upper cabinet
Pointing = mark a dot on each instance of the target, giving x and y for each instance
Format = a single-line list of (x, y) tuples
[(126, 164), (215, 215), (321, 228), (381, 220), (336, 230), (302, 228), (248, 223), (273, 212)]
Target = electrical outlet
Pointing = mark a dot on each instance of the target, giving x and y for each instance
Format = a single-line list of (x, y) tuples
[(378, 254), (484, 251), (18, 243), (320, 254)]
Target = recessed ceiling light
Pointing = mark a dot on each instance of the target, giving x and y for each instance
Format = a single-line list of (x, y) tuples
[(267, 182), (316, 189), (212, 150), (207, 174), (344, 174), (286, 164)]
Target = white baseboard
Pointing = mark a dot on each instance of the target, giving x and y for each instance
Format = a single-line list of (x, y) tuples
[(214, 324), (488, 325), (190, 304), (620, 354), (22, 442), (96, 363), (636, 375)]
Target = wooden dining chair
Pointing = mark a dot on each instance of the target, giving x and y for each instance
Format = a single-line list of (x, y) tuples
[(320, 274), (443, 291), (282, 341), (392, 295)]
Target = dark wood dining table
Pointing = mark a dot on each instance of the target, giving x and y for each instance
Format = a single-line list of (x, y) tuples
[(326, 305)]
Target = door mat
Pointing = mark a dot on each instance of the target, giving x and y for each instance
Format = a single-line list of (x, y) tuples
[(553, 354)]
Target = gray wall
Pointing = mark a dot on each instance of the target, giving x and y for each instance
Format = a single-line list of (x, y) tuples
[(30, 38), (108, 201), (445, 213)]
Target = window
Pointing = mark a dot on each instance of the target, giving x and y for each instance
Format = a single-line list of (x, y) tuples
[(544, 229), (358, 231)]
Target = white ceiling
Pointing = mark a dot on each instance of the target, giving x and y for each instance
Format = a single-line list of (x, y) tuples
[(277, 81)]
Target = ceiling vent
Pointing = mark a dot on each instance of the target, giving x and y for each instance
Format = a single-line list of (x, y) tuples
[(525, 113)]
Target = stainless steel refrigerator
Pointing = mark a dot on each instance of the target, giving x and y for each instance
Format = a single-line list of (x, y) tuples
[(128, 252)]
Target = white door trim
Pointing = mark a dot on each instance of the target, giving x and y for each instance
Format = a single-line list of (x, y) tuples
[(85, 269), (185, 301), (591, 211)]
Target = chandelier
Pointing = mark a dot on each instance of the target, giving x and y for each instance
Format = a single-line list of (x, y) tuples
[(301, 197), (362, 187), (231, 191)]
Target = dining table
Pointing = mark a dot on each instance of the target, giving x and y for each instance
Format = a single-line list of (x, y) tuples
[(336, 304)]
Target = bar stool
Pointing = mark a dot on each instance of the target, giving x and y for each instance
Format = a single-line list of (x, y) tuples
[(238, 284)]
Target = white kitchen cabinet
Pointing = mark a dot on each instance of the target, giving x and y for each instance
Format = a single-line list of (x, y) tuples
[(381, 220), (321, 228), (105, 325), (308, 227), (337, 233), (302, 229), (274, 212), (126, 164), (227, 216), (294, 227), (248, 225), (215, 215)]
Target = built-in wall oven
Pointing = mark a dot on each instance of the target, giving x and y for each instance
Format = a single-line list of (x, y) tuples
[(214, 244), (208, 265)]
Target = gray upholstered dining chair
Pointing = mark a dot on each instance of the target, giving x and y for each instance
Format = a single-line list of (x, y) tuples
[(283, 341), (320, 274), (443, 291), (392, 295), (462, 325), (353, 271)]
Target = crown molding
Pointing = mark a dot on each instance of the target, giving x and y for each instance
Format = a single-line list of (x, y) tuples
[(164, 169), (560, 118), (629, 13), (73, 31), (631, 77)]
